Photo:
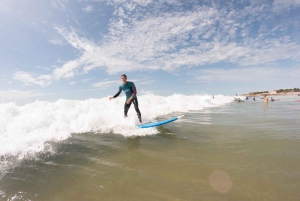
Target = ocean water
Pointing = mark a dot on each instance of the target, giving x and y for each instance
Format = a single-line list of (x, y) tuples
[(86, 150)]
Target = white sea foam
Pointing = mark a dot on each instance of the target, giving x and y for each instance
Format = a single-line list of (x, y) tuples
[(27, 129)]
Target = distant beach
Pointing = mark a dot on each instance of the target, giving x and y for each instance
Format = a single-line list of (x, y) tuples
[(277, 94)]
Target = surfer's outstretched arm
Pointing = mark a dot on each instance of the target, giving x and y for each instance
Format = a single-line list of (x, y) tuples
[(116, 95)]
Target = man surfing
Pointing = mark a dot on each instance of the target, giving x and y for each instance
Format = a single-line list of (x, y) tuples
[(130, 91)]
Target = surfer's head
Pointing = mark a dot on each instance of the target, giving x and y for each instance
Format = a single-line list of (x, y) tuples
[(123, 78)]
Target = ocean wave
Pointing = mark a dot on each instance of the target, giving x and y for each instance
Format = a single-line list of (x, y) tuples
[(27, 129)]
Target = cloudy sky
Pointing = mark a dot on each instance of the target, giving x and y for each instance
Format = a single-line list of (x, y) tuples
[(77, 49)]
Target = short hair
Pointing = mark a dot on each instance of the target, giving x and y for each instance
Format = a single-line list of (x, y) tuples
[(123, 75)]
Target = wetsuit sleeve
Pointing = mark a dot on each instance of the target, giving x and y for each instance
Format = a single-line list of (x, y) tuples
[(118, 93)]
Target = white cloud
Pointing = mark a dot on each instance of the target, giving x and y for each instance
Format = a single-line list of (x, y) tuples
[(55, 42), (59, 4), (172, 40), (28, 78), (88, 9), (246, 74), (105, 84), (152, 39), (12, 95), (68, 70), (88, 79), (72, 83), (283, 4), (44, 68), (143, 2)]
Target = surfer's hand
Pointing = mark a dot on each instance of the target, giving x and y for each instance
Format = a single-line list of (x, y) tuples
[(110, 98)]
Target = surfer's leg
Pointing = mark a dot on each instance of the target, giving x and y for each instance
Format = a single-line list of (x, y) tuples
[(136, 107), (126, 108)]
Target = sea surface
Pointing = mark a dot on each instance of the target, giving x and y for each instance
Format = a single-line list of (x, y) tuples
[(85, 150)]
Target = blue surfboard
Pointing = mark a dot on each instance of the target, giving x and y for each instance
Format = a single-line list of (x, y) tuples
[(159, 123)]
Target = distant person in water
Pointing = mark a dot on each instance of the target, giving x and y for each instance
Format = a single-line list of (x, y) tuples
[(238, 99), (247, 98), (254, 98), (266, 99), (272, 99), (130, 91), (213, 96)]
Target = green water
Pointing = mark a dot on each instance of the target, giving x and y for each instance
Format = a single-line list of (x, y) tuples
[(240, 151)]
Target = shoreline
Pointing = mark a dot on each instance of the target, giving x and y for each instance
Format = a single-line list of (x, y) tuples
[(279, 94)]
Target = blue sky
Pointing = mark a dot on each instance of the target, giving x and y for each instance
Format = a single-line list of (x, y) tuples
[(78, 49)]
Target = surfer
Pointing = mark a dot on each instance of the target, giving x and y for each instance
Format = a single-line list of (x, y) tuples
[(272, 99), (130, 91), (237, 99)]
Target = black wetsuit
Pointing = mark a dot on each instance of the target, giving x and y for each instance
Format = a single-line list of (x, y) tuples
[(130, 90)]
